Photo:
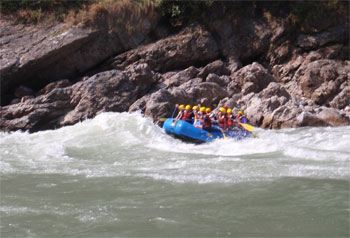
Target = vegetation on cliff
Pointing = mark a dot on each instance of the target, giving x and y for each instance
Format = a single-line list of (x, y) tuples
[(302, 14)]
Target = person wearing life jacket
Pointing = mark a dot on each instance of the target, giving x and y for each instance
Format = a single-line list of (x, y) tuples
[(222, 118), (187, 114), (207, 120), (241, 117), (181, 112), (194, 113), (229, 119), (199, 118)]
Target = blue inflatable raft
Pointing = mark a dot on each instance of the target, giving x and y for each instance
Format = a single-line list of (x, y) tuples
[(186, 131)]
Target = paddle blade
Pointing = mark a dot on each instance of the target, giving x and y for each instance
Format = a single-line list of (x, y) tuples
[(247, 127), (224, 135)]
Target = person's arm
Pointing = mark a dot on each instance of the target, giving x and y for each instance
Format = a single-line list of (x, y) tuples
[(179, 115)]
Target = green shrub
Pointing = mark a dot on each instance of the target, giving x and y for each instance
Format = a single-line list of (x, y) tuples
[(179, 12)]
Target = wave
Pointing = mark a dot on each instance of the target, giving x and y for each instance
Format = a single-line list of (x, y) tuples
[(128, 144)]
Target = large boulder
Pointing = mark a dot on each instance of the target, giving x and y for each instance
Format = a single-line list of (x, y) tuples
[(51, 86), (217, 67), (341, 100), (107, 91), (50, 54), (181, 77), (243, 41), (260, 107), (37, 55), (252, 78), (337, 34), (191, 46), (320, 79)]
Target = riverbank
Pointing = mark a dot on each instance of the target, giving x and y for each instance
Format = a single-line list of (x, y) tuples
[(283, 72)]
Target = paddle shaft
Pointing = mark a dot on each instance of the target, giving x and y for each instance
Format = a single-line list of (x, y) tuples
[(172, 116)]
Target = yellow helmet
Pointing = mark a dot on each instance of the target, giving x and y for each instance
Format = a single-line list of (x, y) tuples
[(208, 109), (195, 108), (229, 110), (188, 107), (240, 112), (181, 106), (202, 109), (222, 109)]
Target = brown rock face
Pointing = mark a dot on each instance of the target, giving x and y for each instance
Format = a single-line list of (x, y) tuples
[(253, 78), (320, 80), (341, 100), (107, 91), (51, 86), (191, 46), (37, 55), (280, 77)]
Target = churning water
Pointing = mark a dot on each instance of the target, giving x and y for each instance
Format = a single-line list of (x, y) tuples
[(118, 175)]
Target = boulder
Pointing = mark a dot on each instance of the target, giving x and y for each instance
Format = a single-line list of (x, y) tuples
[(333, 117), (192, 45), (274, 89), (51, 86), (338, 34), (341, 100), (255, 111), (216, 67), (233, 88), (107, 91), (234, 64), (242, 43), (160, 105), (280, 54), (252, 78), (222, 80), (181, 77), (309, 119), (320, 79)]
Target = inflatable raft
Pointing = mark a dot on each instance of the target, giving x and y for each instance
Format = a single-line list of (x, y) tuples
[(186, 131)]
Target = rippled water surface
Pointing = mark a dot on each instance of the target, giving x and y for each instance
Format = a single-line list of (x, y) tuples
[(119, 175)]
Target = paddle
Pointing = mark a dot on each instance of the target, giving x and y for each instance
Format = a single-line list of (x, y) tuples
[(247, 127), (223, 133), (172, 116), (221, 130)]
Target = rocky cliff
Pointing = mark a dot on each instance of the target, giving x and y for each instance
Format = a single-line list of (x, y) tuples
[(280, 75)]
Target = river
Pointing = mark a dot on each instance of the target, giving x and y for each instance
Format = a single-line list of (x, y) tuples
[(119, 175)]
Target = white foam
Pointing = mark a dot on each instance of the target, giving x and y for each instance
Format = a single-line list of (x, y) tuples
[(128, 144)]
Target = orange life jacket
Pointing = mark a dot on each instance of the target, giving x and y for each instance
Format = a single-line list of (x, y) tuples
[(186, 115), (223, 122), (229, 120)]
